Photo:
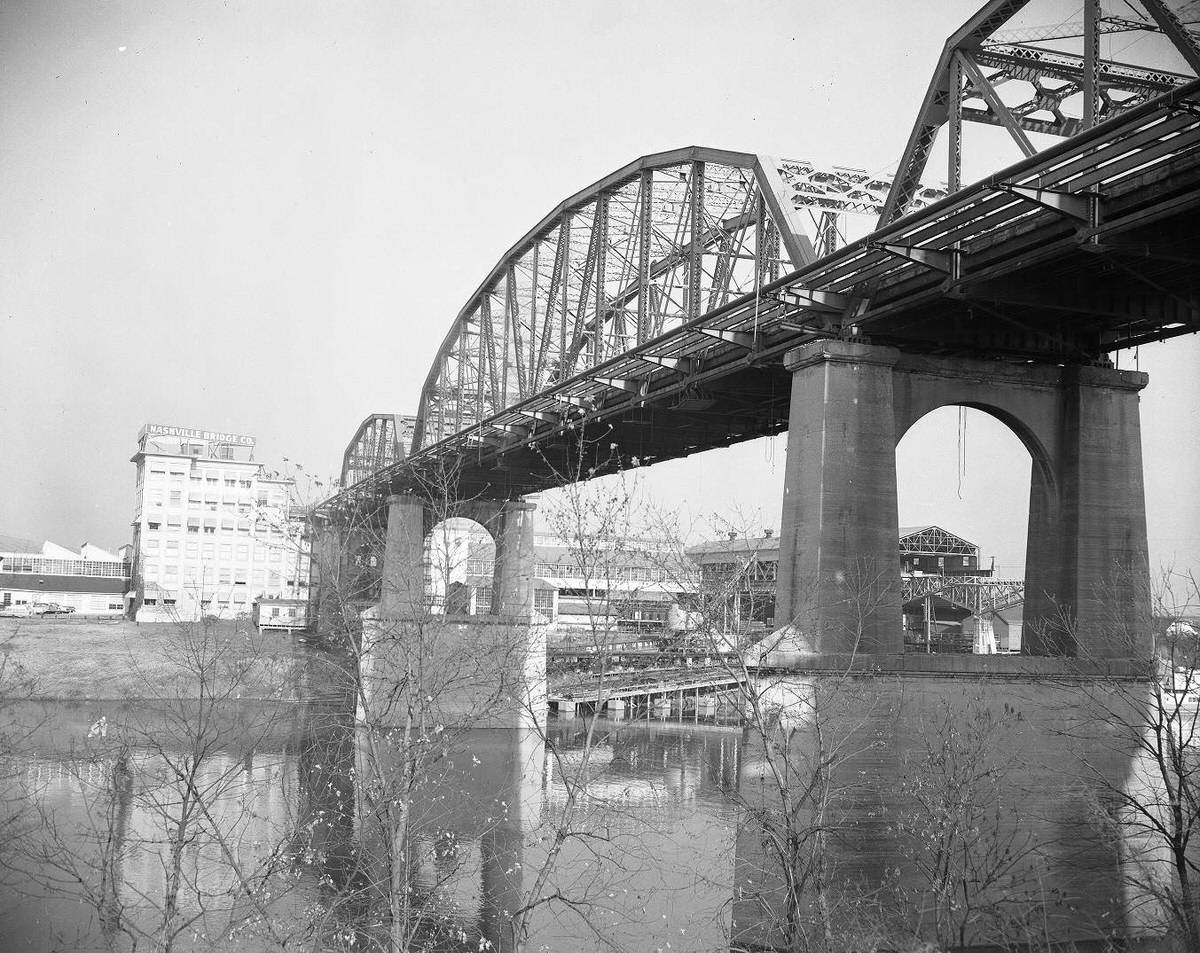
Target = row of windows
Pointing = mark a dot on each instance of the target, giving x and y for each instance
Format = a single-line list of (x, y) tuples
[(235, 594), (151, 547), (212, 477), (209, 524), (195, 501), (224, 576), (82, 603), (63, 567)]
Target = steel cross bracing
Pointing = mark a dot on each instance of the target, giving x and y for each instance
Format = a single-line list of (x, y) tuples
[(935, 541), (655, 307), (976, 594), (1021, 80), (1066, 256), (380, 441), (645, 251)]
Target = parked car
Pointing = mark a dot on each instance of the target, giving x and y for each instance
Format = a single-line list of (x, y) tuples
[(51, 608), (15, 612), (64, 610)]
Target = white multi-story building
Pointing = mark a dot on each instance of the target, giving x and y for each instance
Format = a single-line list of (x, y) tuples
[(213, 529)]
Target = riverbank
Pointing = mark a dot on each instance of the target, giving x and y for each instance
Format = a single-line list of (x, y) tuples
[(105, 659)]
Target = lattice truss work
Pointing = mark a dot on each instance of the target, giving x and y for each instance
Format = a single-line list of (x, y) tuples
[(935, 541), (976, 594), (1051, 80), (380, 441), (655, 245)]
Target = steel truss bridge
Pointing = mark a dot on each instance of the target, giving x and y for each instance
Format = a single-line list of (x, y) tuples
[(976, 594), (647, 316)]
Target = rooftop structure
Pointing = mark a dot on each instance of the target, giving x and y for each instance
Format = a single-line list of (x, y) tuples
[(188, 442)]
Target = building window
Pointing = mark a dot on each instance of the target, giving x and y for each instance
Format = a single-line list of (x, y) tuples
[(207, 549), (226, 551), (193, 525), (153, 525), (225, 577), (149, 602)]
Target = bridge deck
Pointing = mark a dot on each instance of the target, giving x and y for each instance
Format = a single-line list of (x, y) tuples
[(1041, 271)]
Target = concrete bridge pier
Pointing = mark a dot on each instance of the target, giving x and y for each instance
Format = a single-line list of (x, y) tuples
[(838, 584), (475, 670), (512, 580), (1087, 575), (402, 592)]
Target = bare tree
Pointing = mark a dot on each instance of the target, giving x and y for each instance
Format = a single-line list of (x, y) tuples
[(1151, 710)]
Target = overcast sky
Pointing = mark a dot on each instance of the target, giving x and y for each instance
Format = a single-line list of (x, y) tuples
[(262, 217)]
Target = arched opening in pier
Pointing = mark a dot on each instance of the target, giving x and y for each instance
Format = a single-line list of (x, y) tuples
[(963, 478), (460, 558)]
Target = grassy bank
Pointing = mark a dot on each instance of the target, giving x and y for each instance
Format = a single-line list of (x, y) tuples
[(50, 658)]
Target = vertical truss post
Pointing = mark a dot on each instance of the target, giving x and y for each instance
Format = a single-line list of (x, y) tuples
[(533, 334), (954, 157), (503, 371), (512, 308), (696, 251), (564, 236), (827, 232), (1091, 63), (485, 321), (643, 300), (601, 256), (480, 370), (461, 357)]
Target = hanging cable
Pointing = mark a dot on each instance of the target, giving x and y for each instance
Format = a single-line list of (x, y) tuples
[(962, 448)]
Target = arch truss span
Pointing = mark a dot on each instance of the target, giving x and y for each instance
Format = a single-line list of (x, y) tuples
[(380, 441), (652, 247)]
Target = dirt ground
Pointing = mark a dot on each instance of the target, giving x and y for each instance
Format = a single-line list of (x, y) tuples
[(114, 659)]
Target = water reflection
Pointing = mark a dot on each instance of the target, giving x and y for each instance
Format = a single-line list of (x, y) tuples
[(257, 827), (266, 832)]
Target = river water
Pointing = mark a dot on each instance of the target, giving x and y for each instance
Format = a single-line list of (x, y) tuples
[(236, 825), (276, 854)]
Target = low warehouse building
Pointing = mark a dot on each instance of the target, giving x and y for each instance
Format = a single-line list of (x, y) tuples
[(90, 581)]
